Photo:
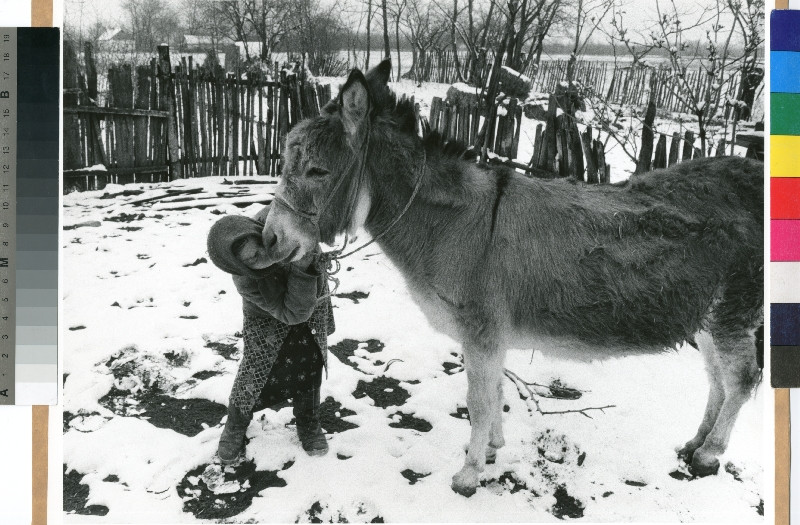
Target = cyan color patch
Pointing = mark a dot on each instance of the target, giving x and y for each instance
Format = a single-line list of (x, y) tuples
[(785, 71)]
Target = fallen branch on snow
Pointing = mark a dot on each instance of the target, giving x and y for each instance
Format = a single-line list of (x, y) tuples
[(527, 393)]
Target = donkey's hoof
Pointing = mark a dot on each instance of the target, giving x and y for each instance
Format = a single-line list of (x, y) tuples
[(704, 464), (686, 452), (465, 483), (491, 455)]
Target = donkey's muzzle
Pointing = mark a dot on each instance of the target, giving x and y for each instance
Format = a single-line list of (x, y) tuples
[(285, 238)]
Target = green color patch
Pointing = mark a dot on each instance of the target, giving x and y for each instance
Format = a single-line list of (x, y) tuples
[(785, 113)]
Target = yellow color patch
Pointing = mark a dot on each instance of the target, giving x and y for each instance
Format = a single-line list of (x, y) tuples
[(784, 156)]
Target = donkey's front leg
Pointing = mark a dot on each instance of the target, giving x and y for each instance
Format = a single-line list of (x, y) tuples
[(484, 368)]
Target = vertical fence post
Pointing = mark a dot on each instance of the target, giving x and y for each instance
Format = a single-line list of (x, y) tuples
[(646, 152), (168, 102)]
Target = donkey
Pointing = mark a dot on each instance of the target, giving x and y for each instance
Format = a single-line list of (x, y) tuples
[(499, 260)]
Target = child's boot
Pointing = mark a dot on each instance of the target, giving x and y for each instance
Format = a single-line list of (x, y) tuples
[(306, 414), (231, 442)]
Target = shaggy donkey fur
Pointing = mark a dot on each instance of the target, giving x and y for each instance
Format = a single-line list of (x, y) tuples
[(499, 260)]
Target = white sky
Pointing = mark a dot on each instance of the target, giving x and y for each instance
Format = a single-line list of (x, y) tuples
[(638, 12)]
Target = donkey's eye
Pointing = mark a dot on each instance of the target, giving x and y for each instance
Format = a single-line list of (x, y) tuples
[(316, 172)]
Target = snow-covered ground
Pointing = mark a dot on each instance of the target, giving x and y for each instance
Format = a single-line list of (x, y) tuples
[(152, 345)]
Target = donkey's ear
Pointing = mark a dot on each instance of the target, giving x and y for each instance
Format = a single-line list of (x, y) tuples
[(379, 75), (354, 101)]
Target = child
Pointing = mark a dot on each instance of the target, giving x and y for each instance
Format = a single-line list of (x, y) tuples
[(285, 333)]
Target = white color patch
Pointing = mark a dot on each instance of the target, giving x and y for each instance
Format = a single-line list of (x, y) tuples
[(784, 284)]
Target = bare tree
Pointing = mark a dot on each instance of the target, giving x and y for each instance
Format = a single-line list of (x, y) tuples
[(234, 13), (749, 18), (397, 8), (151, 22), (387, 50), (369, 32), (318, 33), (589, 14), (268, 20), (529, 23), (734, 32), (425, 30)]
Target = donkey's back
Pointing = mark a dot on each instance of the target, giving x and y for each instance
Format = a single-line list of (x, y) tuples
[(636, 266)]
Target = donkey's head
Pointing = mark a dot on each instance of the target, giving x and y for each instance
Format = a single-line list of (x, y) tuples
[(323, 190)]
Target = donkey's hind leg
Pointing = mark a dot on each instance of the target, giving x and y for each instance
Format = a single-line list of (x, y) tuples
[(737, 370), (716, 396), (484, 370)]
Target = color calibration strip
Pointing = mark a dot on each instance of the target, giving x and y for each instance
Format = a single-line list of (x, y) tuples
[(29, 210), (785, 198)]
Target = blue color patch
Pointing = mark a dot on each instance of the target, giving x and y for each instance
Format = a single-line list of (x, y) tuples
[(785, 324), (784, 30)]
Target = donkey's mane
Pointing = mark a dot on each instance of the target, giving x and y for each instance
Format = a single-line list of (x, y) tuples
[(403, 111), (434, 143)]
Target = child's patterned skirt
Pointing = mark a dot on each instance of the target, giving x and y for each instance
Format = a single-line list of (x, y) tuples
[(297, 368)]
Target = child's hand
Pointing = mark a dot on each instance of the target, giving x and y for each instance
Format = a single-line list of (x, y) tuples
[(306, 262)]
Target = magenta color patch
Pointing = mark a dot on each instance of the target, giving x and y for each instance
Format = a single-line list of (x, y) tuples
[(785, 240)]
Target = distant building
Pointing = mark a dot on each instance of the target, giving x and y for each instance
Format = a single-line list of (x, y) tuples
[(116, 40), (197, 43), (224, 47)]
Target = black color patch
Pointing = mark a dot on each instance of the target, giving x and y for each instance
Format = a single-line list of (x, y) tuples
[(785, 366), (76, 494)]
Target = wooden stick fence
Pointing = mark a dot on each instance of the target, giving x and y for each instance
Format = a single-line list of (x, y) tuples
[(616, 84), (165, 122), (465, 123)]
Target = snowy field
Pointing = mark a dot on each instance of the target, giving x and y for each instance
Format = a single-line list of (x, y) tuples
[(152, 345)]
